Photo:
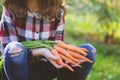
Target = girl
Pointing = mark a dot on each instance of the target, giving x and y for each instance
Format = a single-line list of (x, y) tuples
[(24, 20)]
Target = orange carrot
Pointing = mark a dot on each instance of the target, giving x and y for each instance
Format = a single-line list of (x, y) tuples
[(71, 47), (67, 59), (60, 62), (68, 67), (65, 53), (84, 49), (76, 55), (55, 53)]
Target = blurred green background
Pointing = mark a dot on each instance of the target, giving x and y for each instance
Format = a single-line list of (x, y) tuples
[(96, 22)]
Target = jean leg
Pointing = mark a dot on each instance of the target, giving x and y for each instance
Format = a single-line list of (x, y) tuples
[(16, 67), (80, 73)]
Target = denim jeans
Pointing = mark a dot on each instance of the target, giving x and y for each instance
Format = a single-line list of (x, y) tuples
[(18, 68)]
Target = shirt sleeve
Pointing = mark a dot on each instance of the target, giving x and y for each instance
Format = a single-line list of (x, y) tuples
[(7, 29), (60, 31)]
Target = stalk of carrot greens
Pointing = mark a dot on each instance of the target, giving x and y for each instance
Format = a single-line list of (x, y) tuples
[(38, 44)]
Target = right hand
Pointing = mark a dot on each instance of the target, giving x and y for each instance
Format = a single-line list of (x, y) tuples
[(48, 55)]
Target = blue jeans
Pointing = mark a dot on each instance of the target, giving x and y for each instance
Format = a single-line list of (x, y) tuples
[(18, 68)]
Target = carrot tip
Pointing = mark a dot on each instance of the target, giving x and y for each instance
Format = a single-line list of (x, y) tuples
[(91, 62), (85, 54), (72, 70), (79, 66)]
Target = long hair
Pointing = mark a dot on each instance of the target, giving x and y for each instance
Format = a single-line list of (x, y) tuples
[(48, 8)]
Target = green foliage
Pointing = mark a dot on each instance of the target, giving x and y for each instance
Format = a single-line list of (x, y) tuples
[(2, 74), (79, 25), (0, 8), (105, 68), (106, 12), (107, 15)]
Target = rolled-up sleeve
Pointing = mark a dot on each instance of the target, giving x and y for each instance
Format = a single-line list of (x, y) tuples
[(7, 28)]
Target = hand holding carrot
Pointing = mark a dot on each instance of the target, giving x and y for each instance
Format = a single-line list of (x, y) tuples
[(68, 55), (60, 61)]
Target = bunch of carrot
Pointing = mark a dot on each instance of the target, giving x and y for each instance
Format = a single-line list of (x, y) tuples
[(65, 52), (69, 53)]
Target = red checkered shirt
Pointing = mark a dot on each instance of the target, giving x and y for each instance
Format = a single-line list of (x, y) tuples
[(30, 28)]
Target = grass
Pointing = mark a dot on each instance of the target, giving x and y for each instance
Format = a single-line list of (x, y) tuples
[(105, 68), (0, 7)]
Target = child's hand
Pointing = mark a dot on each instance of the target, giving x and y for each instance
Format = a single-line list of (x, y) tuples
[(47, 54)]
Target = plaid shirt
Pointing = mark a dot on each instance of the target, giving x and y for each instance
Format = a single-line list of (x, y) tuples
[(11, 28)]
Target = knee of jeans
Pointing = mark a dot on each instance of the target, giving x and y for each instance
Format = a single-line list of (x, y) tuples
[(13, 49), (91, 51)]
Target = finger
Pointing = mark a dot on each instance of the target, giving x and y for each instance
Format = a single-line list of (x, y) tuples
[(55, 64), (50, 56)]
